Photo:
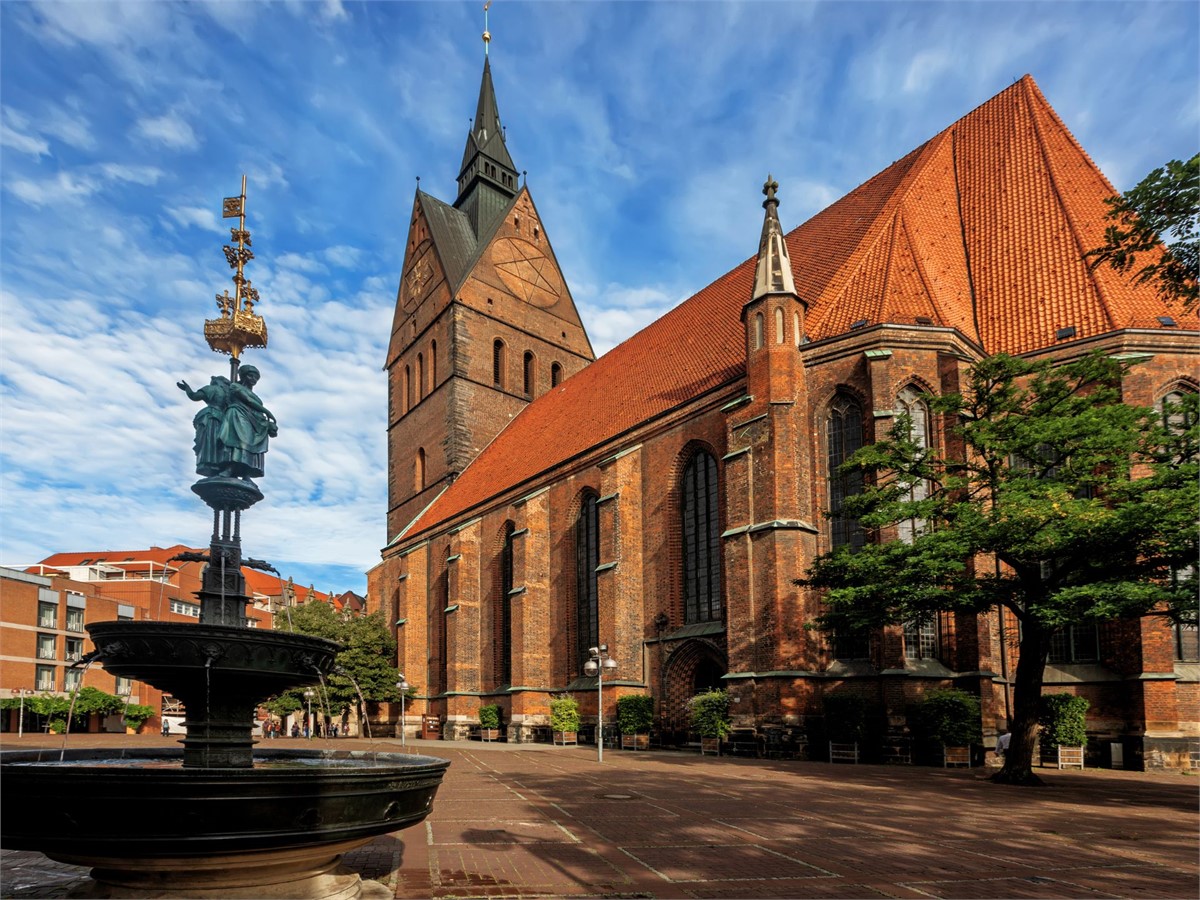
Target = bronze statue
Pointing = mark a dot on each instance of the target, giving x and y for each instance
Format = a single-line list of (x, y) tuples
[(233, 429)]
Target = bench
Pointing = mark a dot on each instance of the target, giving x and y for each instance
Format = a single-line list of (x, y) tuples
[(956, 756), (843, 752), (1070, 757)]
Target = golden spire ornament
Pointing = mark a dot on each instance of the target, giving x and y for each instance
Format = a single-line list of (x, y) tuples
[(239, 326)]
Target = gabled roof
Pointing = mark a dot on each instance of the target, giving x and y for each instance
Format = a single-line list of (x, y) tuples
[(982, 229)]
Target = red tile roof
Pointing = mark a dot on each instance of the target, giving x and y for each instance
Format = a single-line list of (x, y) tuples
[(983, 229)]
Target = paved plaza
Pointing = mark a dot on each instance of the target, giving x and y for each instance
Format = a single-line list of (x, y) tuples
[(541, 821)]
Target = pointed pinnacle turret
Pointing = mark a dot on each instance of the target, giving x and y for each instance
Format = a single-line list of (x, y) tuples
[(773, 271), (487, 181)]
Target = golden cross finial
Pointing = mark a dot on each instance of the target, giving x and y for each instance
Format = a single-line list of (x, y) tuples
[(487, 35)]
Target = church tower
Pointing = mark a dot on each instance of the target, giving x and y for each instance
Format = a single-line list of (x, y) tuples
[(484, 321)]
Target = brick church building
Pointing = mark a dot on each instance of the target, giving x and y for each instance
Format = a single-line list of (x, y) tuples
[(664, 498)]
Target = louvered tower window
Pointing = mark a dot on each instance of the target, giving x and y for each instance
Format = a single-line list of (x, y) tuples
[(701, 540), (498, 363), (587, 589), (845, 436), (555, 375), (529, 370)]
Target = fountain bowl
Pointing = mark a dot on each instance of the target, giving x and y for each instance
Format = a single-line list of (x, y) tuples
[(150, 827)]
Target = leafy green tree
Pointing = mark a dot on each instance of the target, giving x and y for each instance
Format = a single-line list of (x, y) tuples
[(1165, 205), (365, 663), (1052, 500)]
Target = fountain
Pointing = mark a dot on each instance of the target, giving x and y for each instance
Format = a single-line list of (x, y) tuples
[(216, 819)]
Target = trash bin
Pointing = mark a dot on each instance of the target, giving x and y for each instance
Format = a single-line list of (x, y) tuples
[(431, 728)]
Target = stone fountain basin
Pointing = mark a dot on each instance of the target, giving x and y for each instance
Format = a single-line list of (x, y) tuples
[(113, 804)]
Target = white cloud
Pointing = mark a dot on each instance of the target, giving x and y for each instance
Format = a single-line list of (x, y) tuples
[(197, 216), (14, 132), (342, 256), (169, 129)]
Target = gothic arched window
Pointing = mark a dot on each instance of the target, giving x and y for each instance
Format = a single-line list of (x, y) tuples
[(407, 388), (420, 375), (844, 436), (432, 365), (587, 587), (502, 636), (779, 335), (419, 470), (701, 533), (758, 331), (555, 375), (910, 403)]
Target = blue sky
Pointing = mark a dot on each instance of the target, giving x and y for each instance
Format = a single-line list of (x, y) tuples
[(646, 130)]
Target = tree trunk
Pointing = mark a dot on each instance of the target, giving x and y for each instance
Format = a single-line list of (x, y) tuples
[(1027, 694)]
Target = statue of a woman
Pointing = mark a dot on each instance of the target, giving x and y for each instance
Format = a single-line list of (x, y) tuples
[(210, 452), (245, 428)]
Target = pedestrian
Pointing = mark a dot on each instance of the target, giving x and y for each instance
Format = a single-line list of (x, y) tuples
[(1002, 742), (295, 730), (166, 728)]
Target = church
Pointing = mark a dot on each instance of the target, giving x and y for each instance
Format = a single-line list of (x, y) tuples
[(662, 500)]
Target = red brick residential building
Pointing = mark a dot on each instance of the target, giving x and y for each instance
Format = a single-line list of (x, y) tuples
[(664, 498), (45, 608)]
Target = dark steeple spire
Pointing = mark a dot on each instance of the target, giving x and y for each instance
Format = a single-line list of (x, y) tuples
[(488, 178)]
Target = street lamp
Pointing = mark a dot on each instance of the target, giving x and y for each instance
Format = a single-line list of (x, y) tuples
[(21, 714), (308, 695), (600, 660), (402, 687)]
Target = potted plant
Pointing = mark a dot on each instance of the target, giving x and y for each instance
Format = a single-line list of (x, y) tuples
[(950, 718), (564, 720), (489, 722), (635, 716), (136, 715), (1063, 722), (709, 715)]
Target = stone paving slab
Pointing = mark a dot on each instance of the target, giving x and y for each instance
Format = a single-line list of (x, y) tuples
[(535, 821)]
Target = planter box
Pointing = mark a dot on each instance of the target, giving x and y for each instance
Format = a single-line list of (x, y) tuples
[(563, 738), (710, 745), (635, 742), (489, 734)]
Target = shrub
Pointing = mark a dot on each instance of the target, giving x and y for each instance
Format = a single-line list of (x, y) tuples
[(709, 714), (489, 716), (635, 713), (949, 717), (845, 718), (564, 714), (136, 715), (1064, 720)]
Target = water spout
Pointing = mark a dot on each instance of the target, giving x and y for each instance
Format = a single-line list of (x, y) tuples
[(362, 701), (86, 662)]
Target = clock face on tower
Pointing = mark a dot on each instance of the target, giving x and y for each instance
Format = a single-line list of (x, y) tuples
[(416, 279), (526, 271)]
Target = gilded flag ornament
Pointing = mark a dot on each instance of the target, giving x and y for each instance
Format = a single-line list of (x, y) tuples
[(239, 326)]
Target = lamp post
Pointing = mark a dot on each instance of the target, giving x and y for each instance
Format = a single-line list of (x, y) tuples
[(402, 687), (600, 660), (308, 695), (21, 714)]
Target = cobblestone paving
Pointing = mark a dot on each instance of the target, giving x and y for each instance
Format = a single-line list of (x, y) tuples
[(540, 821)]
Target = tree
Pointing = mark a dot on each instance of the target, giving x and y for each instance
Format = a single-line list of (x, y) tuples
[(1052, 500), (1164, 204), (365, 663)]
